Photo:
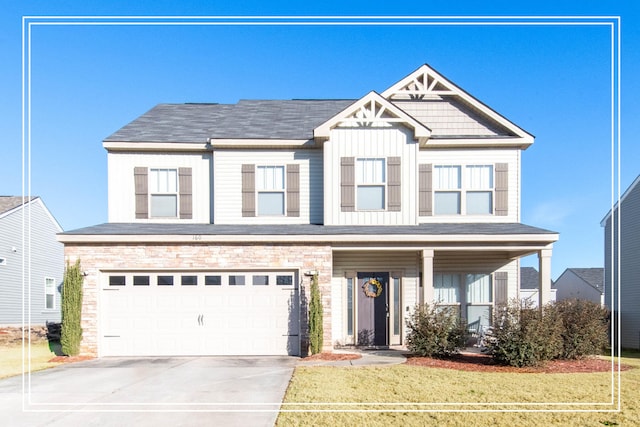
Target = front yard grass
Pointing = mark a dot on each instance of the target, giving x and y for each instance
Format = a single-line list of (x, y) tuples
[(11, 358), (458, 398)]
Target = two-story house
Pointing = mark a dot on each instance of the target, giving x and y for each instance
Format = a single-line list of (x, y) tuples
[(219, 216)]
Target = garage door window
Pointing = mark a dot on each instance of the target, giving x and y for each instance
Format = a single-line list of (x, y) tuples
[(236, 280), (117, 280), (189, 280), (260, 280), (165, 280), (284, 280), (140, 280), (212, 280)]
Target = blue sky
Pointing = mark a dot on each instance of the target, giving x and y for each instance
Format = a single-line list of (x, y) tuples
[(552, 80)]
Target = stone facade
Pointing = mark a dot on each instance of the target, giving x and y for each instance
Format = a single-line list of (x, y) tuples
[(95, 258)]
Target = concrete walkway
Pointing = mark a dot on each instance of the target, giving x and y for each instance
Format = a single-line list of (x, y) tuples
[(378, 357)]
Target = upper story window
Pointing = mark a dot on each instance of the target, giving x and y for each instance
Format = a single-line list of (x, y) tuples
[(270, 188), (371, 184), (466, 190), (163, 191)]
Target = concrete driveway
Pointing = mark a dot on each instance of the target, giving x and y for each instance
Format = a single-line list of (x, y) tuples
[(171, 391)]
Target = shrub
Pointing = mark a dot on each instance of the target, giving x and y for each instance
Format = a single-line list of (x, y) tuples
[(585, 327), (71, 333), (315, 318), (524, 336), (435, 331)]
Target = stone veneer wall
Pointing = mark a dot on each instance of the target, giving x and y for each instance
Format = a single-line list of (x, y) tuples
[(97, 257)]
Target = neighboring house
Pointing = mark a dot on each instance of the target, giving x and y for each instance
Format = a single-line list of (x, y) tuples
[(621, 266), (529, 287), (219, 216), (581, 283), (31, 263)]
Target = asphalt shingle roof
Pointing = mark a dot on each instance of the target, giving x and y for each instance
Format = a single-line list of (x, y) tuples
[(593, 276), (8, 203), (529, 278), (306, 229), (196, 123)]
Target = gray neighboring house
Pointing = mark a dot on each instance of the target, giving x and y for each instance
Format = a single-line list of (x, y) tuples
[(34, 256), (621, 266), (581, 283), (529, 286)]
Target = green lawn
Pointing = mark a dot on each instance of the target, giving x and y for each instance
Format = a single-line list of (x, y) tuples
[(457, 398), (11, 358)]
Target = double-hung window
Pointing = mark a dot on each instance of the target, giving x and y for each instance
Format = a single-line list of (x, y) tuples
[(270, 186), (447, 190), (479, 300), (463, 190), (479, 189), (49, 293), (471, 295), (163, 191), (371, 183)]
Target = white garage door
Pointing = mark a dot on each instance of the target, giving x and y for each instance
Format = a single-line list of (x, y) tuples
[(190, 314)]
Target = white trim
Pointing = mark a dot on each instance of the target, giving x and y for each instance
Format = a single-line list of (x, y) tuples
[(262, 143), (156, 146), (454, 90), (420, 131)]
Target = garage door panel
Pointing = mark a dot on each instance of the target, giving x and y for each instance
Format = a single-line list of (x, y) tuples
[(199, 320)]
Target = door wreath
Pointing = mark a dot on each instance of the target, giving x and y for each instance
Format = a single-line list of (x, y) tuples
[(372, 288)]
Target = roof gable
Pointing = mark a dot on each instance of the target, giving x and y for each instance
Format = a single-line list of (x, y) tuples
[(426, 84), (9, 203), (372, 111), (592, 276)]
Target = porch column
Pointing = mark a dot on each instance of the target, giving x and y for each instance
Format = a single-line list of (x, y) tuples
[(427, 276), (544, 286)]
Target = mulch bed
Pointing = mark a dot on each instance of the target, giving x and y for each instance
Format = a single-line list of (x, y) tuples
[(70, 359), (484, 363), (333, 356)]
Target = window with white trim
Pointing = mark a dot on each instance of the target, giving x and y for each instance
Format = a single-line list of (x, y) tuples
[(470, 294), (270, 188), (163, 191), (49, 293), (370, 184), (463, 190)]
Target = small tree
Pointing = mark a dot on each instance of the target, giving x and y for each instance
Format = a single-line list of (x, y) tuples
[(316, 331), (435, 331), (71, 333)]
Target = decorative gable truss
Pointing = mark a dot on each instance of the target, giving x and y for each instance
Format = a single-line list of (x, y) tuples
[(424, 83), (427, 84), (372, 111)]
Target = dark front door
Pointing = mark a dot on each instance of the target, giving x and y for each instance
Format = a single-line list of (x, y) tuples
[(373, 308)]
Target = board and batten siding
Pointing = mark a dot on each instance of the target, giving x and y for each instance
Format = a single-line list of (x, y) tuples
[(122, 190), (628, 277), (44, 258), (405, 262), (228, 185), (508, 157), (394, 143)]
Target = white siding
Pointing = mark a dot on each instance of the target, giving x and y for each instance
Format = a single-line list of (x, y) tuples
[(370, 142), (122, 191), (405, 262), (478, 157), (43, 257), (570, 286), (228, 184)]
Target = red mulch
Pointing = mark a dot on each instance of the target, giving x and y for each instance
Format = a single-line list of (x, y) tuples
[(70, 359), (483, 363), (333, 356)]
